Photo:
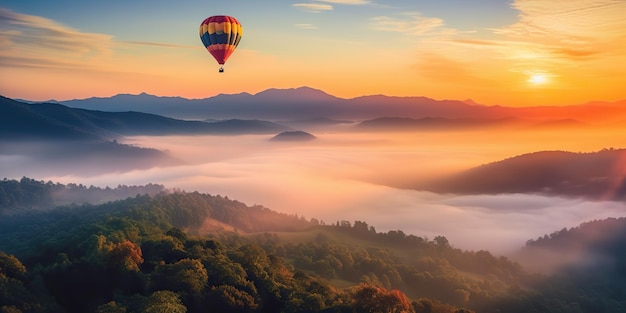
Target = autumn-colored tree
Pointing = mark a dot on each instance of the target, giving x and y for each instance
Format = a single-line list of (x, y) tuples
[(11, 266), (13, 293), (124, 255), (372, 299)]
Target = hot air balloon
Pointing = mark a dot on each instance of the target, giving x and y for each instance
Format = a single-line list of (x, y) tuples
[(220, 35)]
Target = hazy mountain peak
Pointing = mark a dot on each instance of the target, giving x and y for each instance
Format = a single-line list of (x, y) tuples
[(470, 102), (300, 92)]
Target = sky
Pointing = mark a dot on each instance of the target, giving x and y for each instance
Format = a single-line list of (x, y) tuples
[(495, 52)]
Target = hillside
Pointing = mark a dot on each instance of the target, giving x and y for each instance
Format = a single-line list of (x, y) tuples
[(597, 246), (597, 175), (50, 137), (149, 252), (56, 121), (20, 121), (292, 136)]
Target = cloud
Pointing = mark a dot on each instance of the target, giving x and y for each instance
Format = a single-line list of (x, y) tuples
[(569, 28), (414, 24), (159, 44), (351, 2), (319, 7), (475, 42), (29, 41), (438, 67), (29, 30), (34, 42), (314, 7), (306, 26)]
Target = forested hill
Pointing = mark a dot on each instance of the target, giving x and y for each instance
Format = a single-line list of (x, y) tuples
[(150, 252), (38, 121), (189, 211), (595, 175), (598, 245), (28, 193)]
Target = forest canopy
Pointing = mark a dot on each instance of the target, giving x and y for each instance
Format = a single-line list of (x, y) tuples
[(192, 252)]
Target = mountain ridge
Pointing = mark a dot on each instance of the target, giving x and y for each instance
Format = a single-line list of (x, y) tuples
[(304, 102), (57, 121)]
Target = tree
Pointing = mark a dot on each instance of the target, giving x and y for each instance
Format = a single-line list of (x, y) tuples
[(185, 275), (11, 266), (125, 256), (111, 307), (230, 299), (164, 301), (372, 299)]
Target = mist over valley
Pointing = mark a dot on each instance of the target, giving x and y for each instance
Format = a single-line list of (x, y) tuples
[(426, 176), (472, 182)]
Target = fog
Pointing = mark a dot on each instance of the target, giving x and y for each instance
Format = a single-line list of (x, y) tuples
[(349, 176)]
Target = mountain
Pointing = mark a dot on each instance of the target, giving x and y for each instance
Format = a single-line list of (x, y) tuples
[(23, 121), (306, 103), (56, 121), (302, 103), (596, 246), (292, 136), (596, 175)]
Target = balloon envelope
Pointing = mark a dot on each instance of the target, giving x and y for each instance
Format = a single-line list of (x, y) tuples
[(220, 35)]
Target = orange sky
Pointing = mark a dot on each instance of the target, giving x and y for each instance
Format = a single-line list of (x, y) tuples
[(539, 52)]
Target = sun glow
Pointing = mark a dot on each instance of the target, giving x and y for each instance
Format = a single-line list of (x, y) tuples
[(538, 79)]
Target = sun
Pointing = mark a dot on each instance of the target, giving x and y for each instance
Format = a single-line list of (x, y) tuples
[(538, 79)]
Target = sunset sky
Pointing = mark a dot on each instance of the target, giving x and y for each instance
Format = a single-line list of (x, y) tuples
[(522, 52)]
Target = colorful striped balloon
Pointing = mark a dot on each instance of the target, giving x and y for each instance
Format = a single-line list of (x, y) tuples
[(220, 35)]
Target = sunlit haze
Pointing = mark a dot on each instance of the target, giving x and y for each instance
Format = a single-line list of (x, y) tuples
[(350, 176)]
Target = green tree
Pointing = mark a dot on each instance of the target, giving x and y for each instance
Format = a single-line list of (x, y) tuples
[(111, 307), (230, 299), (164, 301), (185, 275)]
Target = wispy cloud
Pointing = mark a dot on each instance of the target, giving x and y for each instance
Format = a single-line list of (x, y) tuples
[(305, 26), (414, 24), (21, 29), (441, 68), (314, 7), (159, 44), (30, 41), (320, 7), (346, 1), (573, 29)]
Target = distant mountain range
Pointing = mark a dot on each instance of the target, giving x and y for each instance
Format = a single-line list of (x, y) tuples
[(20, 121), (306, 103), (597, 175)]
